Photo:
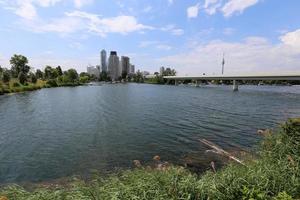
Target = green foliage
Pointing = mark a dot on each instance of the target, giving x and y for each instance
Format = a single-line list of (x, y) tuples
[(72, 75), (84, 79), (39, 74), (59, 71), (19, 64), (52, 83), (22, 77), (33, 78), (51, 73), (6, 76), (16, 84)]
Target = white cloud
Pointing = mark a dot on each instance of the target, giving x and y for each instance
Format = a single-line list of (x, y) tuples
[(26, 10), (292, 39), (164, 47), (254, 54), (173, 30), (170, 2), (121, 24), (211, 6), (237, 6), (156, 44), (192, 12), (81, 3)]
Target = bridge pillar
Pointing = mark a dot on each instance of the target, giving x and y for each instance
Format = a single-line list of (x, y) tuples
[(176, 82), (235, 86), (197, 83)]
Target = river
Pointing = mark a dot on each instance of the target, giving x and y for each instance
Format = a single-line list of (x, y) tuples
[(59, 132)]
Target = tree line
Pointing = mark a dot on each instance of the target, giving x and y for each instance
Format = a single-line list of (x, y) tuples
[(54, 76)]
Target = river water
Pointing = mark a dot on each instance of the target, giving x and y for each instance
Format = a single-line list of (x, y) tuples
[(60, 132)]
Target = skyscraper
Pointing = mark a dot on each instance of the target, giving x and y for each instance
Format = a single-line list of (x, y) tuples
[(125, 65), (103, 61), (132, 69), (114, 66)]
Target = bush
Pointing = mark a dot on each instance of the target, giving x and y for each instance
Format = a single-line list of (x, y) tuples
[(6, 76), (33, 78), (22, 78), (52, 83), (16, 84)]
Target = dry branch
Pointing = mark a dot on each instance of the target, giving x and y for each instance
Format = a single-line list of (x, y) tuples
[(219, 150)]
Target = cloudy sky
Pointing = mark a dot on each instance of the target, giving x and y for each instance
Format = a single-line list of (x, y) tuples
[(189, 35)]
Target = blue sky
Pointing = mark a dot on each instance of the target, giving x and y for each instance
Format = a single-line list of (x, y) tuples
[(189, 35)]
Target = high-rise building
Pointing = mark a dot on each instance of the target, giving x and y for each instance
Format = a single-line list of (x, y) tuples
[(132, 69), (103, 61), (125, 64), (161, 71), (91, 70), (114, 66)]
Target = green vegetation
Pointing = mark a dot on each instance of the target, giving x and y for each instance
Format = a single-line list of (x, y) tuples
[(20, 77), (274, 174)]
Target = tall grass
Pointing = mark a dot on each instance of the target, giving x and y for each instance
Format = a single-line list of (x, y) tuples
[(275, 174)]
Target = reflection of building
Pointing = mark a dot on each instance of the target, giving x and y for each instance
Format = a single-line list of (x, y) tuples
[(103, 61), (114, 66), (125, 65), (91, 70)]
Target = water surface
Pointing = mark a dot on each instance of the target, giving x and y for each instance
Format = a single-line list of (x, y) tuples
[(58, 132)]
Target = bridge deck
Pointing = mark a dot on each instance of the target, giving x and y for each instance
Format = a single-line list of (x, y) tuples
[(237, 77)]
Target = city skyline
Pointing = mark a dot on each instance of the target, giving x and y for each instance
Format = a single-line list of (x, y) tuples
[(189, 36)]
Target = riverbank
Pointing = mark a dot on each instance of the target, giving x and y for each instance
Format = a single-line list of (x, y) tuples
[(273, 174), (15, 87)]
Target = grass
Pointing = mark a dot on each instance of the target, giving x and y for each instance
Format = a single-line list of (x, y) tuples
[(14, 86), (274, 174)]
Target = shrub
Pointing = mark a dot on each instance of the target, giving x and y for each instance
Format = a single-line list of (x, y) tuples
[(22, 77), (6, 76), (16, 84), (52, 83)]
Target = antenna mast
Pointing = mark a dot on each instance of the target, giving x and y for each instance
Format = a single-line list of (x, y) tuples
[(223, 63)]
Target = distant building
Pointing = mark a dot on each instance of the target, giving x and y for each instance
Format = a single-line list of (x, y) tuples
[(132, 69), (145, 73), (91, 70), (161, 71), (103, 61), (114, 66), (125, 64)]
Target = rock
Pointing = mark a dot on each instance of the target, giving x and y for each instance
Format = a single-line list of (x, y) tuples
[(156, 158), (137, 163)]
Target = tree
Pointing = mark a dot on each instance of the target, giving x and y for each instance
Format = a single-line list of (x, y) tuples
[(59, 71), (6, 76), (48, 71), (51, 73), (39, 74), (72, 75), (33, 78), (103, 76), (19, 64), (22, 77), (169, 72)]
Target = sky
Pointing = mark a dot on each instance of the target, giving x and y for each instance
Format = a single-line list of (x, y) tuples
[(256, 36)]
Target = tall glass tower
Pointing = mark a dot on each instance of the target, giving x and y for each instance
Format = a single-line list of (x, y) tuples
[(103, 61)]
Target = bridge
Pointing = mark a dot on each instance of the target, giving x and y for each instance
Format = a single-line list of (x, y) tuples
[(236, 78)]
